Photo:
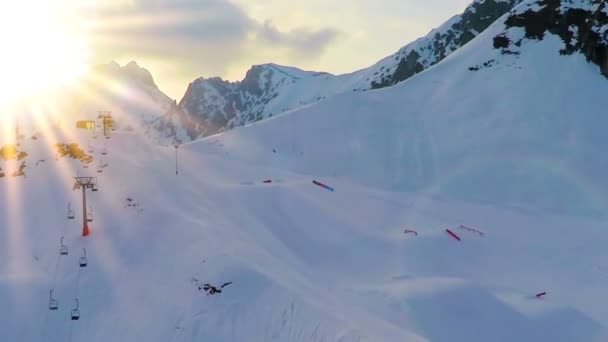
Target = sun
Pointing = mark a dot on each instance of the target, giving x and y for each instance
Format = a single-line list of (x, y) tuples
[(41, 48)]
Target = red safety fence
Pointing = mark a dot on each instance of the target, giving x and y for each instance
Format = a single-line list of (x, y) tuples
[(452, 234), (472, 230), (325, 186)]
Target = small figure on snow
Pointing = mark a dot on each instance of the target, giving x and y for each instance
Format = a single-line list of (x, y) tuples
[(211, 290)]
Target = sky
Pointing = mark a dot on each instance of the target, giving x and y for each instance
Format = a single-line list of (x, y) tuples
[(181, 40)]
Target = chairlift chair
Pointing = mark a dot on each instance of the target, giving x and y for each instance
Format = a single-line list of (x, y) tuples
[(90, 215), (75, 312), (83, 258), (53, 305), (63, 250), (95, 188), (71, 215)]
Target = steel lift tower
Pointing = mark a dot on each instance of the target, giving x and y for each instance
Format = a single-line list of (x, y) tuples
[(84, 183)]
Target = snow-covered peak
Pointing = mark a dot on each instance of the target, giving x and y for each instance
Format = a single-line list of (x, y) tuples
[(438, 44), (131, 73), (267, 89), (271, 89), (495, 158)]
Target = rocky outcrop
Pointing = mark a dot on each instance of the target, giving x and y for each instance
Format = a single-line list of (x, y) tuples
[(582, 26)]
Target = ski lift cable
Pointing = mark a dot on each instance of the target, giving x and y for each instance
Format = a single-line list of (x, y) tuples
[(77, 309), (53, 284), (74, 313), (46, 316)]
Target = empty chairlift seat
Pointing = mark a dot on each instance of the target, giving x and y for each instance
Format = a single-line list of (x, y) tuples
[(83, 258), (75, 314), (53, 305), (63, 250), (70, 212)]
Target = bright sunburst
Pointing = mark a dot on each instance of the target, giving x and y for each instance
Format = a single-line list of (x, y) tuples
[(41, 48)]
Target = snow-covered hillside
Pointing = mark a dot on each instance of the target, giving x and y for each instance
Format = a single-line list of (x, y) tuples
[(506, 140), (214, 105), (304, 264), (485, 117)]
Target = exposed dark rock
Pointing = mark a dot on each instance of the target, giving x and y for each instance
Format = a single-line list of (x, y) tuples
[(476, 18), (583, 30), (501, 42)]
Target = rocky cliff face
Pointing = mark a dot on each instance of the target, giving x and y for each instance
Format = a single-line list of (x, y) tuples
[(438, 44), (213, 105), (581, 25)]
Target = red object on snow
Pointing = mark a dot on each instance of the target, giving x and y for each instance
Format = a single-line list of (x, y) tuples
[(540, 295), (453, 235), (85, 231), (407, 231), (463, 227), (268, 181), (325, 186)]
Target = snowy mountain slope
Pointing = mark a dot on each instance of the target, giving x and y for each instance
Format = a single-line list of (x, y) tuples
[(304, 264), (438, 44), (480, 119), (511, 148), (214, 105)]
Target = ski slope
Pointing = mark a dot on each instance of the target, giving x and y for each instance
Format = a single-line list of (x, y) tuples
[(305, 264), (513, 150)]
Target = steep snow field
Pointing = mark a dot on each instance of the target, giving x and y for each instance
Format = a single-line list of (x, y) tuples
[(517, 133), (502, 143), (305, 264)]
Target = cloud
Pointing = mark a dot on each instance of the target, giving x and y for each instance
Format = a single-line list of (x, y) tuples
[(301, 41), (198, 34)]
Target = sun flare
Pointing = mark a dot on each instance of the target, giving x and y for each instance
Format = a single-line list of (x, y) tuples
[(42, 48)]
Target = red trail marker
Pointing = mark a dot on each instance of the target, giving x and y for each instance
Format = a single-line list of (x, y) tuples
[(453, 235), (480, 233), (323, 185)]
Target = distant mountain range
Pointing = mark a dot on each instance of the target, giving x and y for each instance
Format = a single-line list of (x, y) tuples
[(213, 105)]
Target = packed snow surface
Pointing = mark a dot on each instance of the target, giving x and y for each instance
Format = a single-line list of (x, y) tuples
[(512, 151)]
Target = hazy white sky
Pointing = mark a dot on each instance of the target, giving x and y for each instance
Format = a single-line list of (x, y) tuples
[(180, 40)]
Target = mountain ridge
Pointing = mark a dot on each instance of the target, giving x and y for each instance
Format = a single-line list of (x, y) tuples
[(213, 105)]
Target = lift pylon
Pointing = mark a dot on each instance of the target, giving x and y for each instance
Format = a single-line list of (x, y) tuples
[(84, 183)]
